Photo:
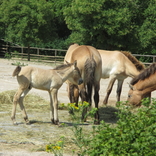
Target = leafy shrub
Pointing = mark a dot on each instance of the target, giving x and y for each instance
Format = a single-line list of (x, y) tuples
[(134, 134)]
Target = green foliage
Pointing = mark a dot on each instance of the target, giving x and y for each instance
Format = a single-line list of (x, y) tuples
[(8, 56), (134, 135), (106, 24), (28, 21)]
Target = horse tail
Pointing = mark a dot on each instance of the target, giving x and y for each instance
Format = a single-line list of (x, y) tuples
[(139, 65), (16, 71), (90, 66)]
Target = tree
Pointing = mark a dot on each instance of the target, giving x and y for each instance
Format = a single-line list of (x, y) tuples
[(112, 24), (147, 31), (104, 23), (28, 22)]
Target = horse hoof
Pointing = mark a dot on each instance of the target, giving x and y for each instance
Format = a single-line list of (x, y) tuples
[(96, 122), (15, 123), (55, 122), (27, 123)]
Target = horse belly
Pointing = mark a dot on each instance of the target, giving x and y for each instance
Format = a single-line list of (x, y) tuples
[(41, 85), (106, 72)]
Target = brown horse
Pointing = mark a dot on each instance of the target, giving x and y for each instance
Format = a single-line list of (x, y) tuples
[(142, 85), (118, 65), (90, 66), (49, 80)]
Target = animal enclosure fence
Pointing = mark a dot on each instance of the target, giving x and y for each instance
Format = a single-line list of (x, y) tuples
[(48, 55)]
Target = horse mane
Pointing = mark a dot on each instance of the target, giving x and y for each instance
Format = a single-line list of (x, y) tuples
[(62, 66), (145, 74), (139, 65)]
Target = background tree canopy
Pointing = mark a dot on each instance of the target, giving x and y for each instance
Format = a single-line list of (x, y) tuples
[(105, 24)]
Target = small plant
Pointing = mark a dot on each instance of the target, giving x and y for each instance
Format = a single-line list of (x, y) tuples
[(80, 139), (57, 148), (62, 106), (77, 111), (8, 56), (19, 64)]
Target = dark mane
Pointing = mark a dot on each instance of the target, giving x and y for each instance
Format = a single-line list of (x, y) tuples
[(145, 74), (139, 65), (62, 66)]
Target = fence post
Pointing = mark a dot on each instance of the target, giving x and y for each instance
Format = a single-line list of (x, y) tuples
[(153, 59), (38, 52), (55, 56), (22, 51)]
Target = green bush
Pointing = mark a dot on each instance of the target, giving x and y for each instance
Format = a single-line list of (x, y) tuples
[(134, 134)]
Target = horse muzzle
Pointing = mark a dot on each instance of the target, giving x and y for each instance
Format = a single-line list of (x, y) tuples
[(80, 81)]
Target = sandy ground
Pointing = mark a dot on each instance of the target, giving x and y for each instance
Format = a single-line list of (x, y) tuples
[(7, 82)]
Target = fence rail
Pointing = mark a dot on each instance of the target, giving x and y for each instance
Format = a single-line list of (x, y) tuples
[(37, 54), (55, 55)]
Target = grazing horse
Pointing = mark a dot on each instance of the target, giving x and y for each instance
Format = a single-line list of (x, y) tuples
[(142, 85), (90, 66), (118, 65), (49, 80)]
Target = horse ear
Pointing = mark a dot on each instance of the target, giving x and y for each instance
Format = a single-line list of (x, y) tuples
[(75, 63), (130, 86)]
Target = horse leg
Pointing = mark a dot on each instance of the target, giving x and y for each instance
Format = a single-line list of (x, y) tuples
[(73, 93), (84, 97), (88, 99), (55, 119), (83, 93), (119, 89), (76, 95), (16, 100), (22, 106), (109, 89), (51, 108), (96, 101), (89, 91)]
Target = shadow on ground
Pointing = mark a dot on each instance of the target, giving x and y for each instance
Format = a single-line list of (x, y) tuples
[(108, 114)]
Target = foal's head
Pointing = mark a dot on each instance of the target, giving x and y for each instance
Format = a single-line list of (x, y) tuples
[(76, 75)]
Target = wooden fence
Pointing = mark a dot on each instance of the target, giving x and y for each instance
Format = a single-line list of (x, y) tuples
[(55, 55), (37, 54)]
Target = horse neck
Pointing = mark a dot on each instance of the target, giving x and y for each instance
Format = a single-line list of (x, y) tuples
[(65, 73), (132, 71), (148, 85)]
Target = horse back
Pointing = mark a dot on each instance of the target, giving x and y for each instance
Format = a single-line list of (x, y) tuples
[(116, 63), (88, 61)]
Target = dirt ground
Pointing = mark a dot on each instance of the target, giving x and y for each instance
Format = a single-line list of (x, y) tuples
[(30, 146)]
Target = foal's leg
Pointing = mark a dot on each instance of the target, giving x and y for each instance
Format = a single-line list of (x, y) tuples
[(17, 100), (22, 106), (55, 119), (51, 108), (109, 89)]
